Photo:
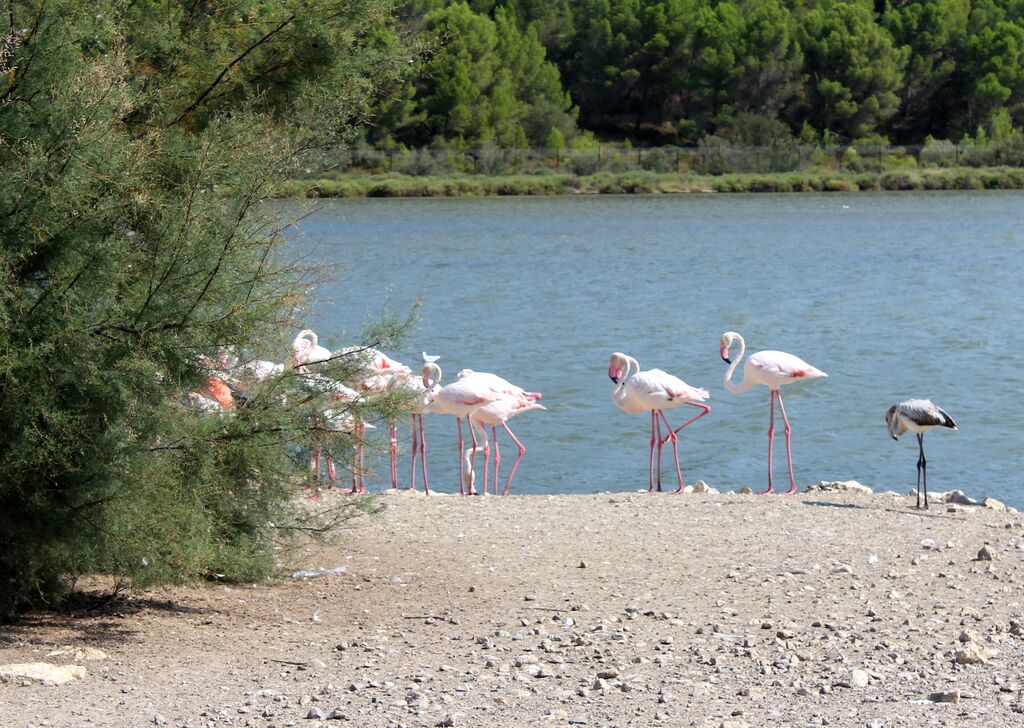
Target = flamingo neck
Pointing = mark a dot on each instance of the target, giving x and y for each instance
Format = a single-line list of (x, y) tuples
[(431, 375), (737, 389)]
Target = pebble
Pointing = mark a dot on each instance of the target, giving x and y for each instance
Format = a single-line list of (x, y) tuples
[(315, 714), (985, 554), (971, 654), (945, 697)]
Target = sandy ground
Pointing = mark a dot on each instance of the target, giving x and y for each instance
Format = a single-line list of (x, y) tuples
[(831, 609)]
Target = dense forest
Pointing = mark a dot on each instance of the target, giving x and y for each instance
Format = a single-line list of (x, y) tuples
[(562, 73)]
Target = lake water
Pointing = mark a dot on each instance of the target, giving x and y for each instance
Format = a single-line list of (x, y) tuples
[(894, 295)]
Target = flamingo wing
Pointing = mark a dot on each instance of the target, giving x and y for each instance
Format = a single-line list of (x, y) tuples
[(780, 367)]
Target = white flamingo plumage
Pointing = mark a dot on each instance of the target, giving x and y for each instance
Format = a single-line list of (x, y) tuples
[(918, 416), (419, 396), (654, 391), (459, 399), (336, 420), (383, 374), (772, 369), (307, 350), (497, 413)]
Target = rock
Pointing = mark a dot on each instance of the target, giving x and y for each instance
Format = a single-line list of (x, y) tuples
[(315, 714), (994, 505), (929, 544), (945, 697), (733, 724), (856, 679), (958, 497), (839, 486), (447, 721), (746, 490), (967, 636), (42, 672), (80, 653), (159, 719), (337, 714), (701, 487), (971, 654), (986, 554)]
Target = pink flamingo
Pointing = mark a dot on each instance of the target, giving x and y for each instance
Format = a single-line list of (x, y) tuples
[(772, 369), (384, 374), (419, 397), (497, 413), (306, 350), (459, 399), (331, 420), (654, 391)]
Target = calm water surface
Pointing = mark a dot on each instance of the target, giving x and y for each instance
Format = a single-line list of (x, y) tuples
[(894, 295)]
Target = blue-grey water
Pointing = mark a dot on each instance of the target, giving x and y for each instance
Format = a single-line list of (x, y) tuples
[(896, 296)]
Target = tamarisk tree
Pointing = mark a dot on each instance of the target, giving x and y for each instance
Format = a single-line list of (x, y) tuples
[(137, 143)]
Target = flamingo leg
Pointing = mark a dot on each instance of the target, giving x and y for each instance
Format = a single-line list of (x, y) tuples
[(789, 450), (423, 456), (522, 451), (771, 440), (393, 454), (497, 457), (693, 419), (462, 466), (675, 449), (922, 471), (472, 454), (650, 464), (661, 443), (415, 448)]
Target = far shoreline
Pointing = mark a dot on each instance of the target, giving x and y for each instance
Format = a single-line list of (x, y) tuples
[(642, 182)]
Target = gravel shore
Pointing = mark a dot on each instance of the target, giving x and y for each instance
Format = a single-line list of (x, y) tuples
[(616, 609)]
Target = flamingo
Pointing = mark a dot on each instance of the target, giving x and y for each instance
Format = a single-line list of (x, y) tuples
[(513, 401), (307, 350), (384, 374), (459, 399), (918, 416), (654, 391), (772, 369), (419, 396), (331, 420)]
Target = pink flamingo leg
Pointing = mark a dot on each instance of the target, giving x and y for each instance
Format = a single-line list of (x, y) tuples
[(497, 457), (393, 453), (522, 451), (789, 451), (415, 449), (423, 456), (771, 439), (650, 464), (472, 456), (462, 466), (675, 451), (693, 419), (661, 443)]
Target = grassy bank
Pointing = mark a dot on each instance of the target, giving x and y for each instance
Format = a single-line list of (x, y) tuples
[(639, 182)]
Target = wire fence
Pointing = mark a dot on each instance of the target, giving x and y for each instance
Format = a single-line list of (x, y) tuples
[(704, 160)]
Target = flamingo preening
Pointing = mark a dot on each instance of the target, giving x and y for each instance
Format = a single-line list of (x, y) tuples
[(918, 416), (772, 369), (496, 413), (384, 374), (654, 391), (459, 399)]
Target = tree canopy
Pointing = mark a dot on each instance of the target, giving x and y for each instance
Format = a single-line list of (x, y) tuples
[(675, 71)]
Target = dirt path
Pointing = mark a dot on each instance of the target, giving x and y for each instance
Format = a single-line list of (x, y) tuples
[(603, 610)]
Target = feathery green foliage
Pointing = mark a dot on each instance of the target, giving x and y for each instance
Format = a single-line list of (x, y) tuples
[(137, 141)]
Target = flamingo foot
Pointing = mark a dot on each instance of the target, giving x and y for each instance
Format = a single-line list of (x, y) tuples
[(770, 491), (791, 491)]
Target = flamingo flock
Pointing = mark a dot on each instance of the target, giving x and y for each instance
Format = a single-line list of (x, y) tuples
[(486, 400)]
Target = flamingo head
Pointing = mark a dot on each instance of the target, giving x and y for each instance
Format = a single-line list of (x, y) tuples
[(431, 375), (618, 365), (893, 423), (724, 343)]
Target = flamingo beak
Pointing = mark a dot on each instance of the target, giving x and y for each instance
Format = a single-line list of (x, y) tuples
[(725, 354), (614, 374)]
